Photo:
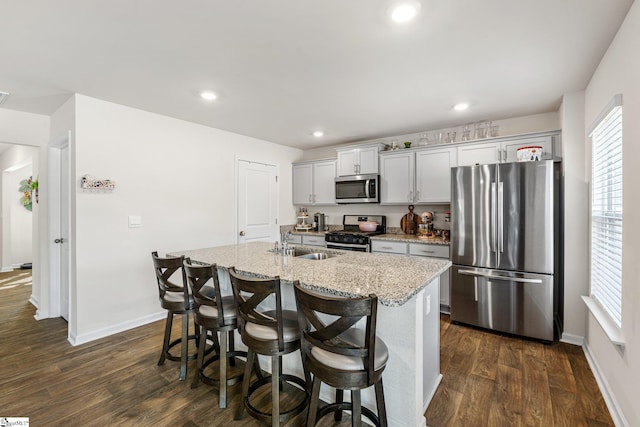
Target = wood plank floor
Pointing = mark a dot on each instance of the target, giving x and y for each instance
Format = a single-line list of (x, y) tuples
[(497, 380), (488, 379)]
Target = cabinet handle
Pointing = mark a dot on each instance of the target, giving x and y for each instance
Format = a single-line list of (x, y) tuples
[(309, 198), (428, 252), (417, 195), (411, 196), (504, 151), (386, 247), (499, 155)]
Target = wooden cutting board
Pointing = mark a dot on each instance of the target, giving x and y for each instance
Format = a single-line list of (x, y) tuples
[(409, 222)]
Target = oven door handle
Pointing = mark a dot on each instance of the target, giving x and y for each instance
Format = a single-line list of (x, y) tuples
[(331, 245), (367, 184)]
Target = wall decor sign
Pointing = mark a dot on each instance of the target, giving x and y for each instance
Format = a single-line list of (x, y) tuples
[(91, 183)]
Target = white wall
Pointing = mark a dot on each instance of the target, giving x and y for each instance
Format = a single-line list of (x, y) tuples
[(17, 220), (513, 126), (619, 72), (576, 217), (29, 129), (178, 176)]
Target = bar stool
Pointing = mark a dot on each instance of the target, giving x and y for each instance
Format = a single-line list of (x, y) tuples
[(341, 355), (214, 314), (272, 333), (175, 298)]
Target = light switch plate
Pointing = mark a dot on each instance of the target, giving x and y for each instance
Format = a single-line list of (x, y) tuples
[(135, 221)]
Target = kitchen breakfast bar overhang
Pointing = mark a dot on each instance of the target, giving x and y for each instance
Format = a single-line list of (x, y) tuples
[(408, 311)]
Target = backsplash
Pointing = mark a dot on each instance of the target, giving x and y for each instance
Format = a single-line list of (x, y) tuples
[(394, 214)]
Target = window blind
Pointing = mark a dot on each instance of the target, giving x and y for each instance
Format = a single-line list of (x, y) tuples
[(606, 212)]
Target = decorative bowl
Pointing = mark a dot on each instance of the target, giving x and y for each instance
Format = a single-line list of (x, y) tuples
[(368, 225), (529, 153)]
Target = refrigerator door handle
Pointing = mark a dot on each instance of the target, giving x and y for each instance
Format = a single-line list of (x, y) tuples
[(494, 219), (500, 216), (497, 277)]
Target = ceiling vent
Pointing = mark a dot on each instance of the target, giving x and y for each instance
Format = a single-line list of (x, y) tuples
[(3, 96)]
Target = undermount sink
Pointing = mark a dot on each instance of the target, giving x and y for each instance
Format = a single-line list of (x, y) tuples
[(315, 256), (310, 253)]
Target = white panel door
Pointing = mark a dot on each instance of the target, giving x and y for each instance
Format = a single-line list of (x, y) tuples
[(257, 202), (64, 232)]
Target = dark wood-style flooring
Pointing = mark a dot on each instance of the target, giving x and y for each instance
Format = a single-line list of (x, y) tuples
[(488, 379)]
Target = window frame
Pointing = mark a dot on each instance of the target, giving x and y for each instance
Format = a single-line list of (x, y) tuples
[(606, 220)]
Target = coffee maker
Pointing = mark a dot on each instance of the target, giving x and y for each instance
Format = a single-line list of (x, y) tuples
[(318, 221)]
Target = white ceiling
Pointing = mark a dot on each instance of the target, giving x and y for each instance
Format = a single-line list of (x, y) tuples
[(284, 68)]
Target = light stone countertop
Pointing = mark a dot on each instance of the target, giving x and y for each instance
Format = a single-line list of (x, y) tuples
[(393, 278), (409, 238)]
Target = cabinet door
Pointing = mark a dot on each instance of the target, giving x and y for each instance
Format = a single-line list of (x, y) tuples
[(368, 161), (324, 188), (302, 184), (387, 247), (347, 161), (313, 241), (397, 178), (482, 154), (510, 148), (433, 175)]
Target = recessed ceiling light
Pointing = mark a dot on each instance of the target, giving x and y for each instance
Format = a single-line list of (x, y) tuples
[(461, 106), (404, 12), (318, 133), (208, 95)]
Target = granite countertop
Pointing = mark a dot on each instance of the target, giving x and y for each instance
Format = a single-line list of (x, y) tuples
[(411, 238), (394, 279)]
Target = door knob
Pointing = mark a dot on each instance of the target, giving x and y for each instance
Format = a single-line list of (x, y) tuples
[(60, 240), (242, 233)]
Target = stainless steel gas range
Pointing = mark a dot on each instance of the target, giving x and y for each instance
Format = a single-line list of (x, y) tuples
[(350, 238)]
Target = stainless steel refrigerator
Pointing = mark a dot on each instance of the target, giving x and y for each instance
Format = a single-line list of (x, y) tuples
[(505, 247)]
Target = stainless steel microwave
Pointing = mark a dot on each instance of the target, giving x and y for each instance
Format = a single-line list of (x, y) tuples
[(358, 189)]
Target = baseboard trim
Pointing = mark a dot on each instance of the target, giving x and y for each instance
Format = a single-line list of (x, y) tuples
[(572, 339), (432, 393), (612, 404), (114, 329)]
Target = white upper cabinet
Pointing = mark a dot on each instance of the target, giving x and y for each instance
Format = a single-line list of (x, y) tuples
[(510, 147), (422, 176), (433, 174), (358, 161), (481, 153), (503, 150), (397, 177), (313, 183)]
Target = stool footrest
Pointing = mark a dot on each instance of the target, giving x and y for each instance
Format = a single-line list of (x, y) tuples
[(346, 406), (284, 416)]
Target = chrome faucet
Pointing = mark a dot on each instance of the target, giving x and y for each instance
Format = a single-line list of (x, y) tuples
[(285, 242)]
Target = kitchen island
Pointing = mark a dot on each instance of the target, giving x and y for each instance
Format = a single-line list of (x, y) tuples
[(408, 311)]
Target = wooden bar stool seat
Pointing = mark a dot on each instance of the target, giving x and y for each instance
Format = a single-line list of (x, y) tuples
[(341, 355), (217, 317), (273, 333)]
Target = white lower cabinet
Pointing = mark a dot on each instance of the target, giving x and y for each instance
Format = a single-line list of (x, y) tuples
[(419, 249), (295, 239), (387, 247), (310, 240)]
